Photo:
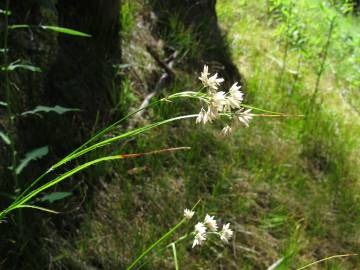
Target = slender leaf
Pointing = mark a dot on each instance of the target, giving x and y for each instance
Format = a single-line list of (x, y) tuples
[(130, 133), (55, 181), (155, 244), (56, 196), (276, 264), (45, 109), (52, 28), (5, 138), (175, 256), (2, 103), (14, 66), (63, 30), (3, 50), (326, 259), (30, 156), (18, 26), (38, 208)]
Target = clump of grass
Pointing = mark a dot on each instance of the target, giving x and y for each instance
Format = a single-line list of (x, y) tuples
[(309, 182), (262, 179)]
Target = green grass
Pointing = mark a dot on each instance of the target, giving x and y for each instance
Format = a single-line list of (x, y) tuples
[(289, 187)]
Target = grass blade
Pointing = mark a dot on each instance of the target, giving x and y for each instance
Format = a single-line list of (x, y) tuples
[(325, 259), (175, 256), (38, 208), (66, 31)]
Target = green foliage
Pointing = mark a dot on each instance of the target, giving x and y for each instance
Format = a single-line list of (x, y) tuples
[(30, 156), (5, 138), (52, 28), (63, 30), (55, 196), (45, 109), (182, 39), (289, 187), (18, 65), (322, 158), (127, 18), (5, 12), (344, 6)]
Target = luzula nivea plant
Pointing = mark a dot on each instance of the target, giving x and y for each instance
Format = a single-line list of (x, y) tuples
[(202, 231), (216, 105), (209, 227), (219, 102)]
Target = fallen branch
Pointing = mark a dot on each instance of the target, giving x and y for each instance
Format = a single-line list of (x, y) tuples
[(169, 74)]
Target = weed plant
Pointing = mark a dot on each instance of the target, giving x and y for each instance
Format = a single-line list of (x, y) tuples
[(290, 201)]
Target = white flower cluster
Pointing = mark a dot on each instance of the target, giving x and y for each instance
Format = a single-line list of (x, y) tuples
[(209, 225), (188, 214), (221, 102)]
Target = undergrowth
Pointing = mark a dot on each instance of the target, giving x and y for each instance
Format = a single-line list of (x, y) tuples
[(289, 186)]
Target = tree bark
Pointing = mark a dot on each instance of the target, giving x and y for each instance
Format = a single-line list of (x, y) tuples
[(82, 75), (200, 16)]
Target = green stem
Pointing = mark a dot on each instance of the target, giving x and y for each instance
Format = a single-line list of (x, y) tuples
[(163, 238), (72, 154), (80, 150), (56, 181), (166, 235), (22, 199), (175, 256), (122, 136), (77, 152), (260, 110)]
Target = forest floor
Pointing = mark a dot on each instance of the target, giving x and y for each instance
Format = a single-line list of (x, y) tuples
[(289, 187)]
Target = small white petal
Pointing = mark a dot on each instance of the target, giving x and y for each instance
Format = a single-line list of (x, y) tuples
[(244, 116), (226, 233), (235, 96), (199, 239), (210, 223), (200, 228), (188, 214), (226, 130), (212, 113), (202, 117)]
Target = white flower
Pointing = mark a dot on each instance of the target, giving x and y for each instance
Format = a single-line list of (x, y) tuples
[(204, 75), (235, 96), (200, 234), (235, 91), (200, 228), (244, 116), (202, 117), (199, 239), (226, 130), (218, 100), (226, 233), (213, 82), (210, 223), (188, 214), (209, 115), (212, 113)]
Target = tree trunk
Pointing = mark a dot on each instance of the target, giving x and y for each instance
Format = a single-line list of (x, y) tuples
[(82, 75), (201, 17)]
